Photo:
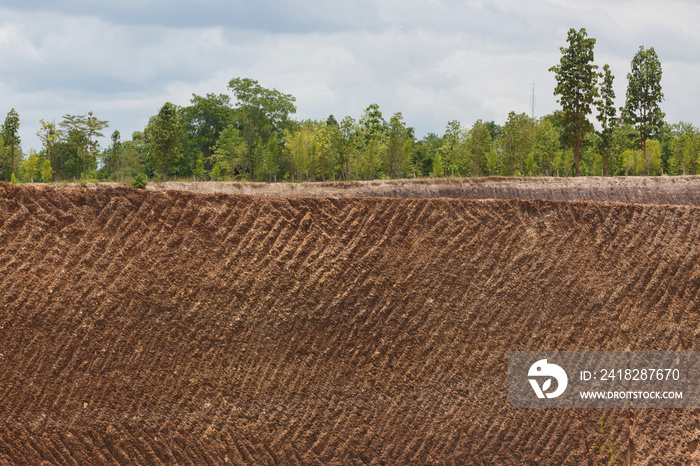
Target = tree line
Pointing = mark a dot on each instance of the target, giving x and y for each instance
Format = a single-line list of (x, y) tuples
[(254, 137)]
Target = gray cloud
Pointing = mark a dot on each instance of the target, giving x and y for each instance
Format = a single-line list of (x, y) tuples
[(433, 60), (271, 16)]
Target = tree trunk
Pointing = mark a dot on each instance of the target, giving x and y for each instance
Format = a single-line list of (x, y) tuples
[(644, 152)]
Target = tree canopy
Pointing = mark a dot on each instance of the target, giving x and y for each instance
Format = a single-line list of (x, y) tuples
[(576, 85), (644, 95)]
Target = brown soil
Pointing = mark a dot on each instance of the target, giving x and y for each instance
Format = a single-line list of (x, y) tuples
[(161, 327)]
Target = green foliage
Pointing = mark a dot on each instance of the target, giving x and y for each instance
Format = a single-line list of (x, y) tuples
[(607, 118), (46, 171), (576, 85), (231, 153), (111, 159), (261, 113), (29, 168), (215, 173), (478, 148), (10, 136), (644, 95), (346, 143), (199, 171), (685, 150), (162, 134), (257, 140), (453, 151), (14, 179), (134, 155), (438, 169), (49, 136), (396, 139), (83, 131), (516, 142), (202, 123), (140, 181)]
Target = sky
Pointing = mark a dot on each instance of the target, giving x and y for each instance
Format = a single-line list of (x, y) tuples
[(432, 60)]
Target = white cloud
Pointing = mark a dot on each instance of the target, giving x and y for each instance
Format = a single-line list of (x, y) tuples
[(16, 43), (434, 61)]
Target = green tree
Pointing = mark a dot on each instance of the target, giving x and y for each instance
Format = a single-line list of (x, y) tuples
[(203, 121), (346, 143), (606, 117), (396, 138), (261, 113), (134, 155), (479, 148), (685, 149), (517, 141), (652, 157), (273, 158), (427, 149), (199, 170), (372, 139), (46, 170), (230, 152), (576, 85), (547, 145), (93, 130), (644, 95), (32, 167), (453, 150), (301, 150), (112, 156), (83, 132), (163, 134), (438, 169), (331, 121), (322, 146), (10, 134), (49, 136)]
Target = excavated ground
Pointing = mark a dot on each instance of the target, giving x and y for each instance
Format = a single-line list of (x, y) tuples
[(163, 327)]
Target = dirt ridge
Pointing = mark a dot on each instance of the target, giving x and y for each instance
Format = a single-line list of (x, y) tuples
[(160, 327)]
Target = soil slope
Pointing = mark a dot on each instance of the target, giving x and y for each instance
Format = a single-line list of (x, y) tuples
[(170, 327)]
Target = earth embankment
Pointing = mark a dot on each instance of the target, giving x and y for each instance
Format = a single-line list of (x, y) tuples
[(161, 327)]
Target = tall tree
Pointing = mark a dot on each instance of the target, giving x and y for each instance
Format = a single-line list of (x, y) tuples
[(113, 154), (517, 141), (397, 136), (84, 131), (163, 134), (10, 133), (479, 147), (49, 136), (576, 84), (204, 120), (644, 95), (547, 144), (372, 136), (606, 116), (453, 152), (346, 144), (261, 112), (230, 150)]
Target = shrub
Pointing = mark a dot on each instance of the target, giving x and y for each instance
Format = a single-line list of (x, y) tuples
[(139, 181)]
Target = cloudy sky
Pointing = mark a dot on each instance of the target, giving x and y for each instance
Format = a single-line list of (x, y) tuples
[(432, 60)]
